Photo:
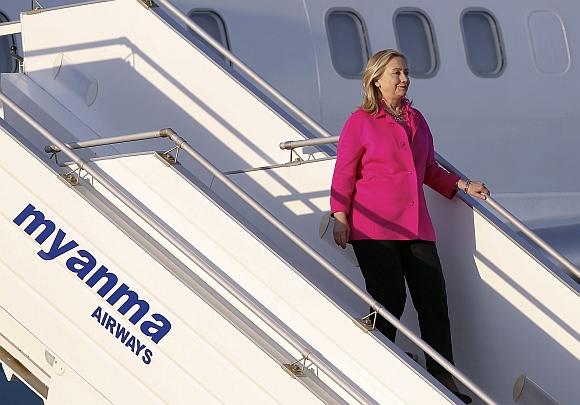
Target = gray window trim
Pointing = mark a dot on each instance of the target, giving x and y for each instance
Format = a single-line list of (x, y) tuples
[(11, 40), (218, 17), (365, 39), (499, 43), (434, 47)]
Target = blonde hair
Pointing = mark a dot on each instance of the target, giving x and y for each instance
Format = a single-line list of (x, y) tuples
[(375, 67)]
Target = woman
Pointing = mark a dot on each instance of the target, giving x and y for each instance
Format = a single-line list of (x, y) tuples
[(385, 155)]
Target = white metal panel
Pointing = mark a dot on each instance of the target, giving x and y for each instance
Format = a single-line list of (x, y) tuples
[(45, 109), (200, 355), (268, 279), (149, 79), (508, 314)]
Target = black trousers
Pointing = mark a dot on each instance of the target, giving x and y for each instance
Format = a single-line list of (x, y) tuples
[(385, 265)]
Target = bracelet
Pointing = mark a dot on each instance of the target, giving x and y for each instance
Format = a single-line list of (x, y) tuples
[(466, 188)]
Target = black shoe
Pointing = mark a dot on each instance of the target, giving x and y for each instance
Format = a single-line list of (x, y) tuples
[(466, 399)]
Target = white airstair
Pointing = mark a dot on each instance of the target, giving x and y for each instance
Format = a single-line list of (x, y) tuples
[(243, 297)]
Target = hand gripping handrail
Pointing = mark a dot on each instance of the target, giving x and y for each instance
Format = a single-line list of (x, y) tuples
[(545, 247), (307, 352), (244, 68), (381, 310)]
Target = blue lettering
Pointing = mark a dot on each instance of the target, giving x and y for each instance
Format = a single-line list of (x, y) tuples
[(82, 264), (104, 319), (139, 347), (57, 249), (101, 273), (97, 314), (121, 333), (37, 221), (131, 343), (132, 300), (147, 354), (79, 266), (111, 324), (156, 331)]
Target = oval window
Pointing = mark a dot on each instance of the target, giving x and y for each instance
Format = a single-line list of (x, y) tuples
[(348, 43), (416, 40), (483, 45)]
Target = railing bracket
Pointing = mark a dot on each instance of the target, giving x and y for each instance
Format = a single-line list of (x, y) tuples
[(148, 4), (367, 323), (166, 157), (71, 179), (297, 369)]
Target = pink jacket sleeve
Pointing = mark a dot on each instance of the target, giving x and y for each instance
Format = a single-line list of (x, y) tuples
[(436, 176), (348, 156)]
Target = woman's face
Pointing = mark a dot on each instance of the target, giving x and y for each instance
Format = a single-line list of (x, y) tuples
[(394, 82)]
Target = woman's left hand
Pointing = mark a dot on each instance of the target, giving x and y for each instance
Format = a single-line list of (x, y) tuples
[(475, 188)]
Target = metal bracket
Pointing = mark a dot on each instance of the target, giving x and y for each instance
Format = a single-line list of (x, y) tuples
[(293, 159), (166, 157), (148, 4), (35, 8), (367, 323), (73, 177), (299, 368), (295, 370)]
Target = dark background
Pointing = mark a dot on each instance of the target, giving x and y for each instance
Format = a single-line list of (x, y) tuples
[(16, 393)]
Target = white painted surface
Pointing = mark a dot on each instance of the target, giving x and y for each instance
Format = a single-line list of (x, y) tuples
[(200, 360), (267, 279), (508, 314)]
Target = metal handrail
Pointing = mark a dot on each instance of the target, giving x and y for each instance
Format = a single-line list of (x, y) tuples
[(381, 310), (543, 245), (244, 68), (182, 144), (107, 141), (306, 351), (289, 145)]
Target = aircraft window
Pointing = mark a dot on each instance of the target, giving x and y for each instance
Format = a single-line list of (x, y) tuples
[(416, 40), (214, 25), (348, 43), (549, 42), (7, 63), (483, 45)]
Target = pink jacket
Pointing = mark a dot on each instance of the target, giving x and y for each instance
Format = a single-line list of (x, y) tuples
[(378, 177)]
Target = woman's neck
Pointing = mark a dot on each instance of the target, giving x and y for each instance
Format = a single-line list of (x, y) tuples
[(394, 104)]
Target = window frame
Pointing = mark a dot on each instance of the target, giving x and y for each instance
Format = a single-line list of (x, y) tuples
[(498, 39), (366, 48), (434, 46), (219, 18), (11, 40)]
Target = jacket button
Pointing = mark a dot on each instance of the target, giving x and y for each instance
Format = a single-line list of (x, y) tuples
[(402, 143), (411, 203), (409, 172)]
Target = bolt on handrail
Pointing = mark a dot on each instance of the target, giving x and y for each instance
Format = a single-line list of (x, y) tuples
[(244, 68), (543, 245), (381, 310), (305, 350)]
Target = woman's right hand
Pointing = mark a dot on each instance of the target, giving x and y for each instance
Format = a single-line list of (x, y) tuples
[(341, 230)]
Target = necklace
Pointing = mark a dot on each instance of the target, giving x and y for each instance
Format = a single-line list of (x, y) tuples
[(398, 117)]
